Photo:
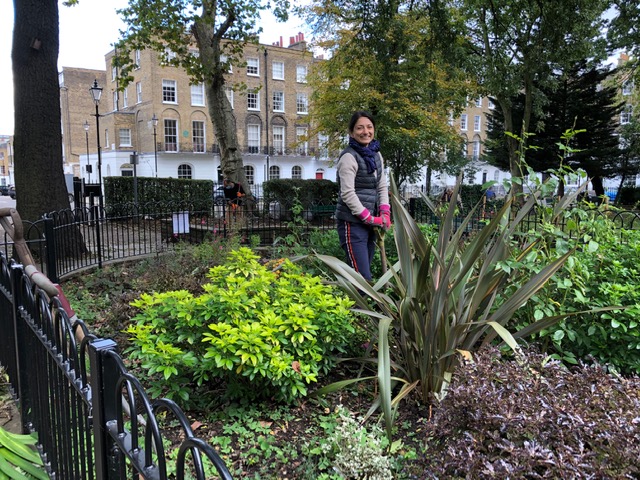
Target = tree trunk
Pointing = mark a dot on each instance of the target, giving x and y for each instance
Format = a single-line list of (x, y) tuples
[(222, 116), (39, 174)]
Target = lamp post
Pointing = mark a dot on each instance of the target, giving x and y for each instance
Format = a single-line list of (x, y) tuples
[(86, 137), (96, 93), (154, 119)]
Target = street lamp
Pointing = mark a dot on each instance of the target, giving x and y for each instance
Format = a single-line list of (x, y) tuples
[(154, 119), (86, 136), (96, 93)]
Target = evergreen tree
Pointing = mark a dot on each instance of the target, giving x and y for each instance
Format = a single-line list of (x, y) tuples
[(582, 101)]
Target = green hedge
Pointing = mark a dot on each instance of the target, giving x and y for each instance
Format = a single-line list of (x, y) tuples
[(309, 192), (167, 190)]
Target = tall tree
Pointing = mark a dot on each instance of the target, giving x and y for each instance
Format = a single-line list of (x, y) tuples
[(220, 30), (518, 43), (384, 58), (39, 174), (581, 99)]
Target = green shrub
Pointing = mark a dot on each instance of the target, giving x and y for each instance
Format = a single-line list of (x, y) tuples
[(602, 272), (267, 333)]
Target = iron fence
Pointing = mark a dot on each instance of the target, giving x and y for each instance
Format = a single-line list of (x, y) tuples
[(93, 418)]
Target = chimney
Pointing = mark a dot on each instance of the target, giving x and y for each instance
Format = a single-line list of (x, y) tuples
[(292, 40), (281, 41), (301, 36)]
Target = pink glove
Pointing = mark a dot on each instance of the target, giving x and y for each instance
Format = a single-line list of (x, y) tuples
[(385, 214), (369, 219)]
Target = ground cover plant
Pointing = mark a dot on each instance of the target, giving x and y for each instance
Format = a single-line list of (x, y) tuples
[(518, 402)]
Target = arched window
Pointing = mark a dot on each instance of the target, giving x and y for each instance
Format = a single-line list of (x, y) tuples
[(250, 173), (274, 172), (184, 171), (296, 172)]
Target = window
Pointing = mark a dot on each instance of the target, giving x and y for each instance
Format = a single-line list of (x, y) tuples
[(198, 139), (302, 103), (476, 150), (225, 60), (169, 89), (194, 52), (278, 139), (476, 123), (274, 172), (277, 69), (450, 121), (106, 138), (491, 104), (323, 150), (253, 67), (627, 87), (229, 92), (114, 73), (301, 141), (170, 135), (253, 101), (249, 172), (125, 98), (626, 114), (278, 101), (169, 54), (301, 74), (185, 171), (463, 121), (3, 170), (124, 135), (138, 92), (479, 102), (137, 59), (296, 172), (115, 101), (253, 138), (197, 95), (126, 172)]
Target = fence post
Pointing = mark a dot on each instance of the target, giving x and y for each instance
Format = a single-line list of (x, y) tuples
[(50, 246), (21, 384), (104, 376)]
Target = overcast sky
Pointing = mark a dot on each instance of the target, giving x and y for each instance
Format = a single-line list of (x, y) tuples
[(87, 31)]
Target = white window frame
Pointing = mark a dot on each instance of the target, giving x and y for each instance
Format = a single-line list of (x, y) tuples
[(138, 92), (302, 147), (302, 103), (278, 101), (253, 101), (114, 73), (479, 102), (198, 126), (463, 122), (115, 100), (296, 172), (169, 87), (627, 87), (124, 137), (277, 73), (253, 67), (278, 139), (626, 114), (477, 122), (197, 95), (250, 174), (301, 73), (185, 171), (476, 149), (274, 172), (136, 57), (169, 125), (253, 138), (125, 98)]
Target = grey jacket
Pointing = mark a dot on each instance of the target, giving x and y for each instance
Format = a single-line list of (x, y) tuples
[(365, 184)]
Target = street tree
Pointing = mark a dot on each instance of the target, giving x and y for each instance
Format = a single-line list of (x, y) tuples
[(39, 173), (517, 44), (624, 32), (219, 30), (583, 99), (384, 57)]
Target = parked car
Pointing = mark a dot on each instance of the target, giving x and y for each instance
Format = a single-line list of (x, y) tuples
[(12, 191), (4, 189)]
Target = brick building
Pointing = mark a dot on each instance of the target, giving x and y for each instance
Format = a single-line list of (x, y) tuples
[(6, 160), (271, 115)]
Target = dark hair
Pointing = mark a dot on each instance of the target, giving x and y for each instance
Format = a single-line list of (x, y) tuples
[(357, 115)]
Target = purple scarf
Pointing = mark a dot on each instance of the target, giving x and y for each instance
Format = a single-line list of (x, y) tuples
[(368, 152)]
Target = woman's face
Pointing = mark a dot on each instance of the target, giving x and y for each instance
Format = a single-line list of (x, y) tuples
[(363, 131)]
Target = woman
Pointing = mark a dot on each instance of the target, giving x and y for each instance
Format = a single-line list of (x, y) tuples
[(363, 201)]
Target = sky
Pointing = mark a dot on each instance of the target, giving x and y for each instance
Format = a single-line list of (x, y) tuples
[(87, 31)]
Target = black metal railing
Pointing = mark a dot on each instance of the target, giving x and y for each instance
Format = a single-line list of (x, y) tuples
[(93, 418)]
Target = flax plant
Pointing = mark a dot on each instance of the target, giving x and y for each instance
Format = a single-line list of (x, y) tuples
[(443, 300)]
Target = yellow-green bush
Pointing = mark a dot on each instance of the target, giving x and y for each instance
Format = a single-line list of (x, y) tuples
[(267, 332)]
